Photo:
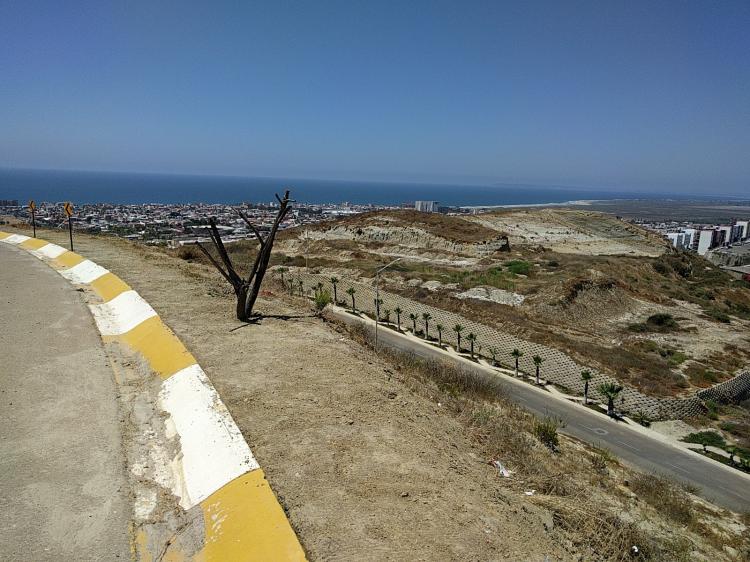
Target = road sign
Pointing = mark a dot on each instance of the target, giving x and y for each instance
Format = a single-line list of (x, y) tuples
[(32, 206), (68, 208)]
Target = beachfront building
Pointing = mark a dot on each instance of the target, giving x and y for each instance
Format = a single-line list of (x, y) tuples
[(426, 206)]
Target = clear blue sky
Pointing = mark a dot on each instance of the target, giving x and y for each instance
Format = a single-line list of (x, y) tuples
[(631, 94)]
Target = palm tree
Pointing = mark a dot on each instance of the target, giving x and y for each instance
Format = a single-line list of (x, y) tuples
[(538, 362), (350, 291), (586, 376), (610, 390), (301, 288), (398, 312), (458, 328), (413, 318), (439, 328), (472, 337), (426, 317), (334, 282), (318, 288), (282, 271), (493, 353), (387, 315), (378, 302), (516, 355)]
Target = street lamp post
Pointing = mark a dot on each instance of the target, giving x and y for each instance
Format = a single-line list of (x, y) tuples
[(377, 298)]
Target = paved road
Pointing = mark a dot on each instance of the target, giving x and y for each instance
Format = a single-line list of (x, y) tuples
[(722, 485), (62, 477)]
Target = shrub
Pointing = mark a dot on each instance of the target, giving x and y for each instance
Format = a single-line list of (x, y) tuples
[(322, 299), (518, 267), (661, 267), (705, 438), (641, 418), (662, 321), (546, 431), (189, 252)]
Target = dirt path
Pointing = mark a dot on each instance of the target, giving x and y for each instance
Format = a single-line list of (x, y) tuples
[(366, 469)]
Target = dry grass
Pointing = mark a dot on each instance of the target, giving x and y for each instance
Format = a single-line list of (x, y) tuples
[(455, 229), (584, 498)]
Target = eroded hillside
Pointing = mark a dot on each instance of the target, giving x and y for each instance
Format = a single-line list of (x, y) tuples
[(586, 283)]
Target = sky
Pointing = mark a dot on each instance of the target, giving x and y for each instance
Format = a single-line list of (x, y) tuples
[(622, 95)]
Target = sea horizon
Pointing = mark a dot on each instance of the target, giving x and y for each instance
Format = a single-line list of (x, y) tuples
[(90, 187)]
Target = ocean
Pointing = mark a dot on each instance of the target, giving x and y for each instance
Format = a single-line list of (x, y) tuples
[(128, 188)]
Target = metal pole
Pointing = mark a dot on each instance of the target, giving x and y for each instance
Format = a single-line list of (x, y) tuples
[(70, 231)]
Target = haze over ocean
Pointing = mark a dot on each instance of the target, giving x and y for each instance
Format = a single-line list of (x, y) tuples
[(129, 188)]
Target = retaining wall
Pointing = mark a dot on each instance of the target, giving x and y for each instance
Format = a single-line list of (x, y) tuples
[(557, 367)]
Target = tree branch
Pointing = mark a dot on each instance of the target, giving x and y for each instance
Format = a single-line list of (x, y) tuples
[(215, 263), (252, 227), (216, 238)]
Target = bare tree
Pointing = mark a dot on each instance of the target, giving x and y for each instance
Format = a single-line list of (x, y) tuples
[(246, 289)]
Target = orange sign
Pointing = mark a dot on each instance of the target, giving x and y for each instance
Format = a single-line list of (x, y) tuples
[(32, 206), (68, 209)]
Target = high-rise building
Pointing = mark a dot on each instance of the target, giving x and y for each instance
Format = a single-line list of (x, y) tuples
[(426, 206)]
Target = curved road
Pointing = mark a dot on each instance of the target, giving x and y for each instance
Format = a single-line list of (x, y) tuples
[(62, 477), (722, 485)]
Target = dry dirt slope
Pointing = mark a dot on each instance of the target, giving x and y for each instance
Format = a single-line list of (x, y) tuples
[(340, 439)]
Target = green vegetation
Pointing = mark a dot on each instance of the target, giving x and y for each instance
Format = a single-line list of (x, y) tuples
[(518, 267), (611, 391), (472, 338), (537, 363), (656, 323), (516, 354), (322, 299), (706, 439), (351, 291), (546, 431), (586, 376), (458, 328), (641, 418)]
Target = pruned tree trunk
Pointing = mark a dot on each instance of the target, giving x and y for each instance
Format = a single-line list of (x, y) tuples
[(246, 289)]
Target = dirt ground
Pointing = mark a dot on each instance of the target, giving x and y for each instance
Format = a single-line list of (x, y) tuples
[(366, 469)]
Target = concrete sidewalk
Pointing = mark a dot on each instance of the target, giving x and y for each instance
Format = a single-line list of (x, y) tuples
[(62, 470)]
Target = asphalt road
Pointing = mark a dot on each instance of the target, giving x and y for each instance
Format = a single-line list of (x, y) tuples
[(62, 477), (722, 485)]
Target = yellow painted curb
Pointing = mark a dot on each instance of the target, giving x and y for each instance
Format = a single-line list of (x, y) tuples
[(33, 244), (108, 286), (68, 259), (244, 522), (158, 345), (4, 235)]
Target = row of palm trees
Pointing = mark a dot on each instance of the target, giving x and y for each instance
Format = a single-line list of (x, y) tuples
[(609, 390)]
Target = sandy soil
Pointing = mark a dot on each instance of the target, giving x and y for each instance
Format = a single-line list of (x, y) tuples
[(571, 232), (366, 469)]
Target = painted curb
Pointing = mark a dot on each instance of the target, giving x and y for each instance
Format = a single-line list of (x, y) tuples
[(214, 469)]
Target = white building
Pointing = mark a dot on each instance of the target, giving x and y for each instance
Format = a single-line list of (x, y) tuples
[(706, 239), (745, 226), (680, 240), (426, 206)]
